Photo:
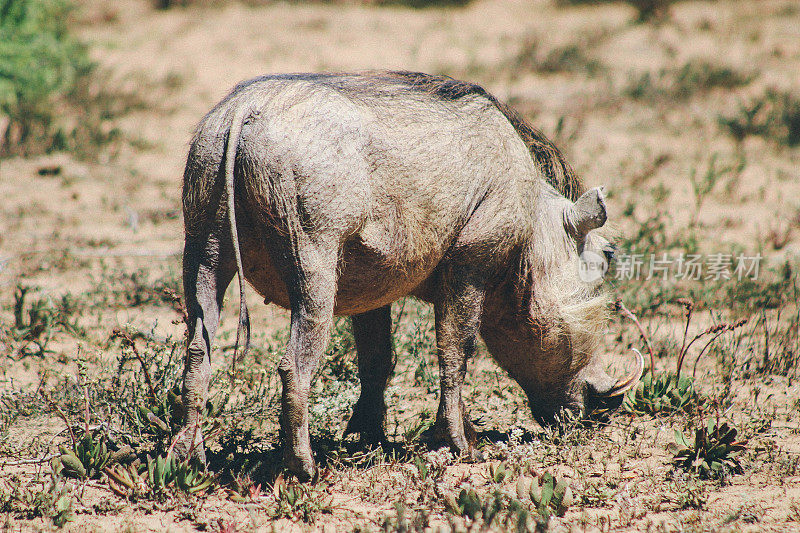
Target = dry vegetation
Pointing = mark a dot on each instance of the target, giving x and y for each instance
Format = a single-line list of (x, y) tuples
[(689, 113)]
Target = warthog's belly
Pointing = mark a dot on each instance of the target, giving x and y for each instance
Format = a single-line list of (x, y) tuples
[(368, 278)]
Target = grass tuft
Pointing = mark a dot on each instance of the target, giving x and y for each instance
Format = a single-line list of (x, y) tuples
[(774, 115)]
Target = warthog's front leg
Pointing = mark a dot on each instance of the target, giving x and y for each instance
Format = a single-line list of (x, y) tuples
[(312, 289), (373, 335), (457, 311), (206, 275)]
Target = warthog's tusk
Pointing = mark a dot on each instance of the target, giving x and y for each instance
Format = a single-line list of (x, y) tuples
[(624, 384)]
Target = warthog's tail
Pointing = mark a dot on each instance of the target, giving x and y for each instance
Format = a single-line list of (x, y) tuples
[(230, 163)]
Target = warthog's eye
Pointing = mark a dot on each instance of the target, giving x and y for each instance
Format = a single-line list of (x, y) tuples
[(609, 250)]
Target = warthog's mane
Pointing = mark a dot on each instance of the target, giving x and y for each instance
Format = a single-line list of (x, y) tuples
[(546, 156), (549, 294)]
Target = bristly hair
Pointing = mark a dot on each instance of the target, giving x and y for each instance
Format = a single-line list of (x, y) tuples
[(547, 158), (549, 294)]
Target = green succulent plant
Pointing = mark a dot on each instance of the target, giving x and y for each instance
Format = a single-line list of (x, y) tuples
[(156, 475), (470, 505), (499, 473), (299, 501), (713, 450), (87, 458), (549, 494), (663, 393), (125, 481), (163, 416), (160, 415), (62, 508), (243, 489), (188, 476)]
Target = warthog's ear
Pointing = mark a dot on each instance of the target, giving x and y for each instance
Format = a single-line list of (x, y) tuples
[(587, 213)]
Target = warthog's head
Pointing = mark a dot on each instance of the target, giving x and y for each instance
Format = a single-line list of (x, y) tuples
[(545, 323)]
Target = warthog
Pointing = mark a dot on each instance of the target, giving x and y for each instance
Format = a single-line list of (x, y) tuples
[(340, 193)]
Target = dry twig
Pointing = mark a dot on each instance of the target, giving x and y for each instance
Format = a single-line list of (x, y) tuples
[(128, 341)]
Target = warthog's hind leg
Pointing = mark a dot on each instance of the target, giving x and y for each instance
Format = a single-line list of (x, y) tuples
[(373, 336), (457, 310), (310, 274), (206, 275)]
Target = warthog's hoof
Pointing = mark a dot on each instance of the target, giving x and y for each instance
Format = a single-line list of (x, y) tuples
[(302, 466), (463, 446), (472, 455), (368, 426)]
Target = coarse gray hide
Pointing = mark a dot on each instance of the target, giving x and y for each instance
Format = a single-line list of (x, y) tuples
[(340, 193)]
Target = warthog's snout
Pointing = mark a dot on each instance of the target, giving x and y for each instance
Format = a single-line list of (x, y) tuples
[(606, 394)]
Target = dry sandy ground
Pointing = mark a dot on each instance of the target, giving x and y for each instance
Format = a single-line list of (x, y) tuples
[(94, 220)]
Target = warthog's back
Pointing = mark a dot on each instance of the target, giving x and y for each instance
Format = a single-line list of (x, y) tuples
[(394, 166)]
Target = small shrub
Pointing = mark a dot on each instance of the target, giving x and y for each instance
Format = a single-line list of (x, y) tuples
[(53, 500), (569, 58), (52, 96), (713, 451), (340, 357), (40, 66), (774, 344), (651, 233), (703, 183), (690, 495), (44, 318), (774, 287), (684, 82), (124, 289), (650, 10), (775, 116)]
